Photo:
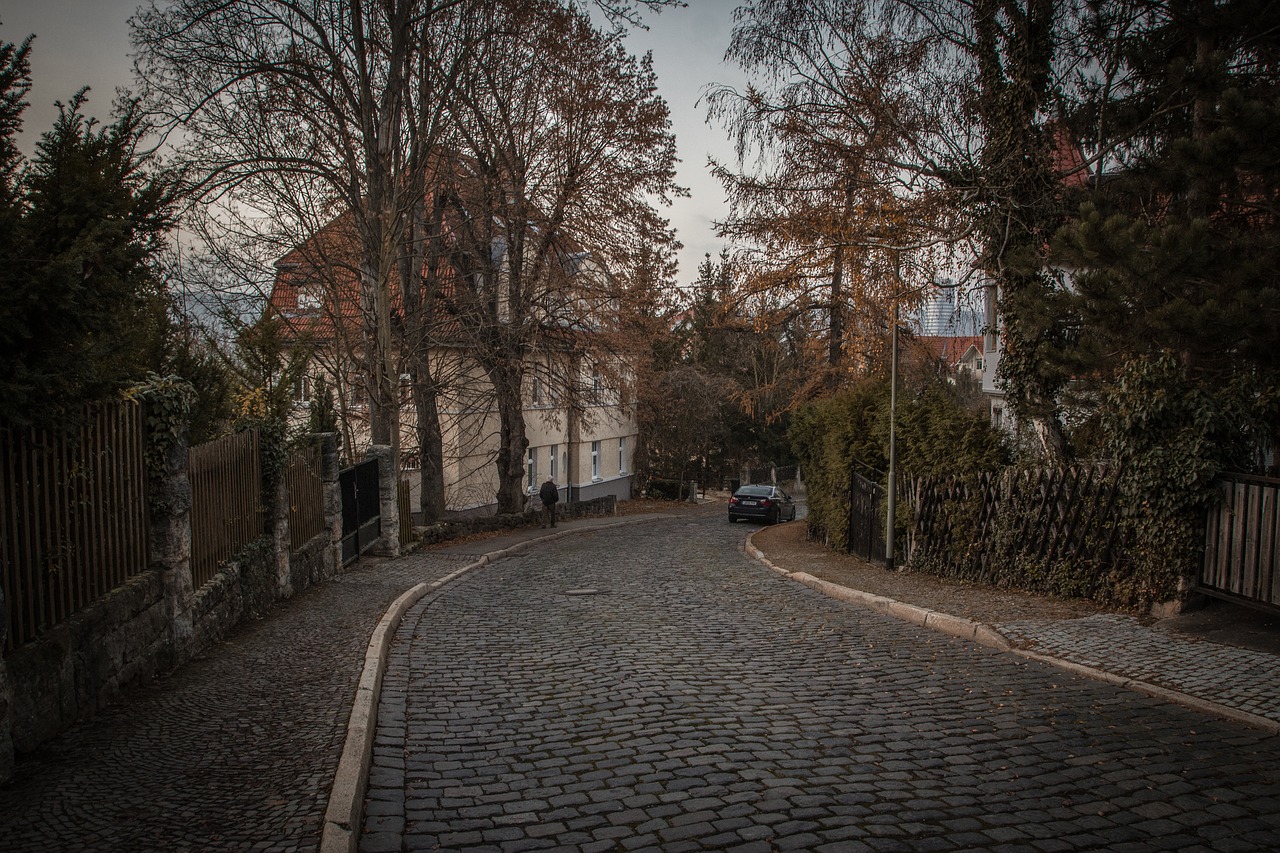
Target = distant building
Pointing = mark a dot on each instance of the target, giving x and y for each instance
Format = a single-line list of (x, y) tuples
[(949, 312)]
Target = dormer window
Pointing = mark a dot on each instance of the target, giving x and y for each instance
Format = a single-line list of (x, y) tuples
[(310, 297)]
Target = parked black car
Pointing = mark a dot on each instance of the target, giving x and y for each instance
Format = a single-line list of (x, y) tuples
[(766, 503)]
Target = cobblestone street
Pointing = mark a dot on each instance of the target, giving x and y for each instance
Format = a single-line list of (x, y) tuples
[(651, 687)]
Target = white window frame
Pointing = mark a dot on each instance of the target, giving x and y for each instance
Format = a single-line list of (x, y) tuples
[(531, 467), (595, 460), (553, 461), (622, 454)]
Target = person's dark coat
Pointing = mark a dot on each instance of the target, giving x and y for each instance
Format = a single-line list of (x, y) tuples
[(549, 493)]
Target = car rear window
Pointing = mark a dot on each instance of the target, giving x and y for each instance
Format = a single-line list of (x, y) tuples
[(755, 491)]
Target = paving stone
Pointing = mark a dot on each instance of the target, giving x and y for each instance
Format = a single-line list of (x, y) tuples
[(705, 698)]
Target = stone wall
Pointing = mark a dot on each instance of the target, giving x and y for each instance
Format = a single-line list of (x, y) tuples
[(156, 621), (311, 564), (76, 668)]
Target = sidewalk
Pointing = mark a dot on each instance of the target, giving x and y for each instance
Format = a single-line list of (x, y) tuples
[(1223, 660)]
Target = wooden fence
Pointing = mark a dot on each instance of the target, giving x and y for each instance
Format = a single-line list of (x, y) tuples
[(73, 518), (306, 495), (226, 501), (1047, 515), (1242, 556)]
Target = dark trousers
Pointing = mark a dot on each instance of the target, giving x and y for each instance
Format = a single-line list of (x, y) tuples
[(549, 514)]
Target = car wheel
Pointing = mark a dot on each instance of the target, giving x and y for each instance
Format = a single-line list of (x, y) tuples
[(777, 516)]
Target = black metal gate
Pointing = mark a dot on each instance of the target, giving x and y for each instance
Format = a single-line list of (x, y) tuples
[(866, 525), (361, 509)]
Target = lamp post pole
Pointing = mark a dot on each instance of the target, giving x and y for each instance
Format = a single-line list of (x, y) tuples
[(893, 445)]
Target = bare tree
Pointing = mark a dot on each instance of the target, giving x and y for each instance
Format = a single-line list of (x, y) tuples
[(564, 146), (297, 112)]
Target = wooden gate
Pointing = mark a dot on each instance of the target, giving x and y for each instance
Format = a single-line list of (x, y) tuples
[(1240, 553), (866, 526)]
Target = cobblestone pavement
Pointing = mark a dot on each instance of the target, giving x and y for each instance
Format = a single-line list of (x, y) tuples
[(234, 752), (1244, 679), (652, 688), (1221, 654)]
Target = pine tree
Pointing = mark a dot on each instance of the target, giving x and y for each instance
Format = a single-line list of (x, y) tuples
[(86, 308), (1176, 245)]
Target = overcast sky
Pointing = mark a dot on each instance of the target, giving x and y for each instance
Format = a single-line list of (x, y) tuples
[(86, 42)]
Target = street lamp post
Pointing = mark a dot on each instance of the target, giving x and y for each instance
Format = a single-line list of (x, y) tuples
[(893, 445)]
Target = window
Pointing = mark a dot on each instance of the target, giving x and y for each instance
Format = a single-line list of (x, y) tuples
[(595, 380), (531, 466), (595, 460), (537, 391), (622, 455), (302, 389), (553, 461)]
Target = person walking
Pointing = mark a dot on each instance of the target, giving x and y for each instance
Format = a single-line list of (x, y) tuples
[(550, 494)]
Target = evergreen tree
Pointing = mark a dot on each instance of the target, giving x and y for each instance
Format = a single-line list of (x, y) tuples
[(86, 310), (15, 83), (1177, 244)]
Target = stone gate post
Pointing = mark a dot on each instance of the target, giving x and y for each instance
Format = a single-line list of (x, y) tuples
[(170, 544), (388, 545), (330, 465), (278, 530)]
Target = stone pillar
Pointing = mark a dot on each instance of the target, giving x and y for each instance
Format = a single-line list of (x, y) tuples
[(170, 545), (388, 544), (278, 530), (330, 465)]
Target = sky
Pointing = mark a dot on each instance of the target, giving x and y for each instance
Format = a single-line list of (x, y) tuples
[(86, 42)]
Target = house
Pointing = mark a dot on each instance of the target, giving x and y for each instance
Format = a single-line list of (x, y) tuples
[(579, 422), (957, 355)]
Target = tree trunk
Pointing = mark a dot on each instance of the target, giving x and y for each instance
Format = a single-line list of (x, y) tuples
[(507, 378), (835, 346), (430, 449), (419, 281)]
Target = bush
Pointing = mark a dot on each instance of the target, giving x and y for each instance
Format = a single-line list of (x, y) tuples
[(667, 490), (850, 432)]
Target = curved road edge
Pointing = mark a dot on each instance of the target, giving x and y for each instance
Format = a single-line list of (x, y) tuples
[(341, 830), (988, 636)]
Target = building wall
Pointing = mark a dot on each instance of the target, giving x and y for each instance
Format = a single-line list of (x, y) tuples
[(470, 428)]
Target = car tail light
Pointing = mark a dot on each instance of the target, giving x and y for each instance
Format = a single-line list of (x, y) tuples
[(732, 501), (764, 502)]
